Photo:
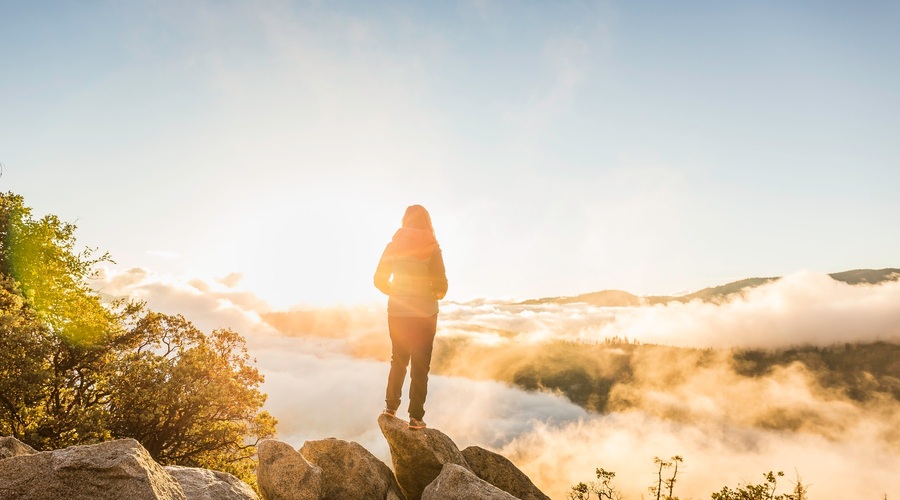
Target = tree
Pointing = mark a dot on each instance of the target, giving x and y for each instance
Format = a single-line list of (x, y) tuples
[(59, 332), (189, 398), (40, 256), (602, 488), (23, 370), (761, 491), (669, 483), (78, 370)]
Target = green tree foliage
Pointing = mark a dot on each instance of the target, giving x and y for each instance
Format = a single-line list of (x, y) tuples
[(59, 333), (40, 256), (24, 372), (76, 370), (189, 398)]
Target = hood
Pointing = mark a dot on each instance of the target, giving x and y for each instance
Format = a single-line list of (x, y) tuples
[(413, 242)]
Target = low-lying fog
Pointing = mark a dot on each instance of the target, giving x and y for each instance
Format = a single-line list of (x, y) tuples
[(325, 376)]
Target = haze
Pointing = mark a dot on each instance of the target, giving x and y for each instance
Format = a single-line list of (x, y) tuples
[(325, 379)]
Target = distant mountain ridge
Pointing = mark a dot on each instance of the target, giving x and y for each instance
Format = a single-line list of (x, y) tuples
[(619, 298)]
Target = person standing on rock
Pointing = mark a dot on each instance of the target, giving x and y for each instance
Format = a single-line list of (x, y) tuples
[(411, 273)]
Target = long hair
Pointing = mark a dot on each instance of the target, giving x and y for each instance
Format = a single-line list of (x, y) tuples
[(417, 217)]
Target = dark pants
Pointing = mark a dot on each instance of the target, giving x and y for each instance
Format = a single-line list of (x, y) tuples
[(411, 340)]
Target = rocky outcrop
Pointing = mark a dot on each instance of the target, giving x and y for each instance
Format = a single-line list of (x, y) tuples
[(111, 470), (283, 473), (427, 466), (499, 471), (418, 455), (458, 483), (205, 484), (350, 471), (12, 447)]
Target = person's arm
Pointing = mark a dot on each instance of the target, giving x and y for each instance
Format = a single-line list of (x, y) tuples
[(383, 272), (438, 274)]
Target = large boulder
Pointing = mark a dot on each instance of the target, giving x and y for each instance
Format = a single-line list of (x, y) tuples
[(205, 484), (12, 447), (283, 473), (418, 455), (499, 471), (350, 471), (111, 470), (458, 483)]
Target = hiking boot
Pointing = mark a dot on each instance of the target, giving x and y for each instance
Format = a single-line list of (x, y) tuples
[(415, 423), (389, 412)]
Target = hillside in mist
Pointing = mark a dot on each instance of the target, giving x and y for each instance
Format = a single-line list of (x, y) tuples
[(619, 298), (616, 376), (596, 360)]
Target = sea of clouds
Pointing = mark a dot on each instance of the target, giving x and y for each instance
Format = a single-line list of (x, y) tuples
[(327, 380)]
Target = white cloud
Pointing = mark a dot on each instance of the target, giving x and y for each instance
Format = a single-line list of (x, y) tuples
[(802, 308), (711, 416), (208, 303), (855, 465), (316, 393)]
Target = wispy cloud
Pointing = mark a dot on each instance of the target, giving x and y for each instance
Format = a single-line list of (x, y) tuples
[(208, 303), (802, 308)]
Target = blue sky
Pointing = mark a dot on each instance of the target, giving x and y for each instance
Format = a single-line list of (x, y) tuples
[(562, 147)]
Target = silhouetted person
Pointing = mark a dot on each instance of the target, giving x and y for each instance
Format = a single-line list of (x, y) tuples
[(411, 272)]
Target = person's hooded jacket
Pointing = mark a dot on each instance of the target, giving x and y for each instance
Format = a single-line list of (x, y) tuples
[(411, 272)]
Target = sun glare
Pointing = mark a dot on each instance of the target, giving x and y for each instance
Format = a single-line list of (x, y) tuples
[(300, 250)]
